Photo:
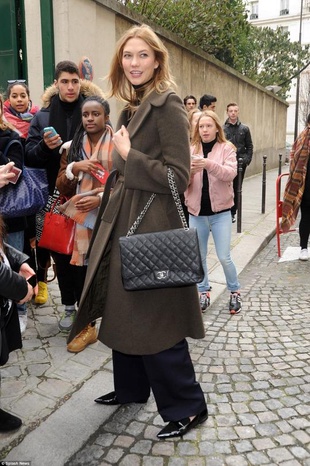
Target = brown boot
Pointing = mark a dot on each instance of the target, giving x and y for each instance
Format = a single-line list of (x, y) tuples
[(84, 338)]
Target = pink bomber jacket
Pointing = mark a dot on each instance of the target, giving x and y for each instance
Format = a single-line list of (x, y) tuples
[(221, 174)]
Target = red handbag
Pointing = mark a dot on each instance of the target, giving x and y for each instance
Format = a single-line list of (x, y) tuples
[(58, 230)]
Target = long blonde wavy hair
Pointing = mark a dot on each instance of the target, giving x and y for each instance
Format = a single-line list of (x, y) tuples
[(220, 135), (121, 88)]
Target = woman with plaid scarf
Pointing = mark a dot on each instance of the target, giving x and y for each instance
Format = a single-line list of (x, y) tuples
[(297, 190)]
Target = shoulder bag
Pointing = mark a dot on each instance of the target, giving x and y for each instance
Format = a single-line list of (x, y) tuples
[(161, 259), (28, 196)]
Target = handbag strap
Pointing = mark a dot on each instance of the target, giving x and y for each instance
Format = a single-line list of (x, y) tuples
[(61, 199), (176, 198), (9, 144)]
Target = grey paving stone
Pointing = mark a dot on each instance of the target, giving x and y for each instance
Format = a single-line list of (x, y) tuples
[(254, 369), (280, 454), (131, 460)]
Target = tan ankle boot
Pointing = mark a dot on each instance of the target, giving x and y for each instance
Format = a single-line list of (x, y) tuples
[(84, 338)]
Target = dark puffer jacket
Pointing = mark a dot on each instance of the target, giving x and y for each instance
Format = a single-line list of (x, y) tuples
[(37, 152), (240, 136)]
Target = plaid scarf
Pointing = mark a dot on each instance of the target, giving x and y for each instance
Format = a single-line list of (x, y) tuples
[(85, 221), (20, 121), (296, 182)]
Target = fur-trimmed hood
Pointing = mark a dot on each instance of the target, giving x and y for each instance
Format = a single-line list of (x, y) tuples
[(88, 89)]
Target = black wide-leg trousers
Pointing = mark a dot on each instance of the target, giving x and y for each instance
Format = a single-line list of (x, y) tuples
[(169, 374)]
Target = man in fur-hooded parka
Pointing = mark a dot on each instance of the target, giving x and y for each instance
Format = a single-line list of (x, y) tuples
[(65, 116)]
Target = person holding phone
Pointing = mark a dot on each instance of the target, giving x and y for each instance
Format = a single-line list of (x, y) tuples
[(209, 198), (62, 111), (84, 168)]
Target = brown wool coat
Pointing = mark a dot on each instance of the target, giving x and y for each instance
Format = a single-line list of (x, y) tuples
[(141, 322)]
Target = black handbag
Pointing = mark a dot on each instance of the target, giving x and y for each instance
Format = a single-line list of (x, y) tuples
[(161, 259)]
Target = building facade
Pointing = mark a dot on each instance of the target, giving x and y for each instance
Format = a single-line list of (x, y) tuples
[(294, 17)]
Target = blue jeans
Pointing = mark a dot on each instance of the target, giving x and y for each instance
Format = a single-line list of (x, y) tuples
[(16, 240), (220, 226)]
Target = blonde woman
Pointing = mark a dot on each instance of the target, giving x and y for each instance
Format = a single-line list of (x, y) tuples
[(209, 199), (147, 329)]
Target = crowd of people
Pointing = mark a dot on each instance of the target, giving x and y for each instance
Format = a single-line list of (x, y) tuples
[(72, 138)]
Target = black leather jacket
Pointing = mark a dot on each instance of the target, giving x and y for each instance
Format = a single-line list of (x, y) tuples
[(12, 285), (240, 136)]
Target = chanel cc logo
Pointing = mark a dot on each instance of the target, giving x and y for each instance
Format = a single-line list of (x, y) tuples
[(161, 274)]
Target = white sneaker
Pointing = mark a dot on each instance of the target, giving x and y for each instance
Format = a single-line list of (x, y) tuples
[(304, 255), (22, 323)]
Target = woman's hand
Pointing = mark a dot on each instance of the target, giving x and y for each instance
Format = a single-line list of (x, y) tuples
[(88, 203), (85, 166), (122, 142), (26, 271), (5, 174), (198, 164)]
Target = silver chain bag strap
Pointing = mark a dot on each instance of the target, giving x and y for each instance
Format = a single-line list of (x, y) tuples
[(161, 259)]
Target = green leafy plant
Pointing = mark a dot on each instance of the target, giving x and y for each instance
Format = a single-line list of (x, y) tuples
[(221, 28)]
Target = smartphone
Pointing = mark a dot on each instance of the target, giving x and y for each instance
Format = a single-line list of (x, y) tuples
[(17, 172), (52, 129), (53, 132), (32, 280), (101, 173)]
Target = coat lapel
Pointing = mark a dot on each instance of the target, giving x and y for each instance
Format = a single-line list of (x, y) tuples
[(154, 99), (139, 118)]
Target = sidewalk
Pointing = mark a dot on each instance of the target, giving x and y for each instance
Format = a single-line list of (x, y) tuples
[(52, 390), (256, 230)]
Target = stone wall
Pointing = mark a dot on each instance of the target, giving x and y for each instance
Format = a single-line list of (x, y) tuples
[(92, 27)]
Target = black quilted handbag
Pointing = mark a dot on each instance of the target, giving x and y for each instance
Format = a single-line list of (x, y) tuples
[(162, 259)]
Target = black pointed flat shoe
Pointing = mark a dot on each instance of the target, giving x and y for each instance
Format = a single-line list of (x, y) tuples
[(110, 399), (179, 428), (8, 422)]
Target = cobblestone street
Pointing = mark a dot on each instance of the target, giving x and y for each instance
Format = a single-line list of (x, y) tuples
[(255, 371)]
